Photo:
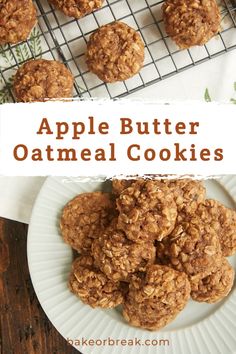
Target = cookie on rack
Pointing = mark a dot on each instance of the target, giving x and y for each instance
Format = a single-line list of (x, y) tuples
[(17, 19), (215, 286), (40, 79), (118, 257), (92, 286), (191, 22), (84, 217), (77, 8), (156, 298), (115, 52)]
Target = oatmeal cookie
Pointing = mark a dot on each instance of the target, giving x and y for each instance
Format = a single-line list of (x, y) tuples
[(118, 257), (84, 217), (119, 185), (17, 18), (147, 211), (223, 220), (215, 286), (188, 194), (40, 79), (92, 286), (77, 8), (191, 22), (193, 247), (155, 299), (115, 52)]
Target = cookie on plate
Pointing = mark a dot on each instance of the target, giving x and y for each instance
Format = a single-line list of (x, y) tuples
[(17, 19), (188, 194), (215, 286), (115, 52), (193, 247), (118, 185), (40, 79), (147, 211), (92, 286), (77, 8), (191, 22), (118, 257), (155, 299), (84, 217), (223, 220)]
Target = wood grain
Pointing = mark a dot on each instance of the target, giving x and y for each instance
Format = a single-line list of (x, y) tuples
[(24, 328)]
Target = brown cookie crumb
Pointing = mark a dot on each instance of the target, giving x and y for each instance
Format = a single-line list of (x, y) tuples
[(191, 22), (92, 286), (77, 8), (147, 211), (223, 220), (115, 52), (40, 79), (17, 18), (155, 299), (119, 257), (193, 247), (84, 217), (215, 286)]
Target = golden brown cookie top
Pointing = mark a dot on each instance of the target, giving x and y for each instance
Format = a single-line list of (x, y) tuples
[(215, 286), (191, 22), (84, 217), (223, 220), (119, 185), (118, 257), (188, 194), (115, 52), (92, 286), (156, 298), (147, 211), (77, 8), (17, 18), (40, 79), (193, 247)]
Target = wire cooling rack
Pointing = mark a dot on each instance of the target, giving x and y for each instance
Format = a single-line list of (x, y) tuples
[(59, 37)]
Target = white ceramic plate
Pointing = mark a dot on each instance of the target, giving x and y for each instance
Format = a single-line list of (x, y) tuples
[(199, 329)]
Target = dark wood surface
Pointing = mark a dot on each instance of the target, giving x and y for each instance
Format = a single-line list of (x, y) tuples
[(24, 327)]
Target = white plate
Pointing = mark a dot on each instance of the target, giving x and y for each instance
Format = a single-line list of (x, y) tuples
[(200, 328)]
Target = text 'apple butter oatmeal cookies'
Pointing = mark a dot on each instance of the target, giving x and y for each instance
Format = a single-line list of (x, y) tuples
[(115, 52), (156, 298), (223, 220), (17, 18), (147, 211), (77, 8), (84, 217), (215, 286), (191, 22), (193, 247), (118, 257), (38, 80), (92, 286)]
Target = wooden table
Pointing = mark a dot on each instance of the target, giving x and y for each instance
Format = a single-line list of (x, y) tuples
[(24, 328)]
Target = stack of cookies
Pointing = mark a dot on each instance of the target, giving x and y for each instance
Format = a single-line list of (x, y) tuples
[(150, 245)]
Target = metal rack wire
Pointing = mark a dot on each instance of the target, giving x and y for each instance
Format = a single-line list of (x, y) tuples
[(63, 38)]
